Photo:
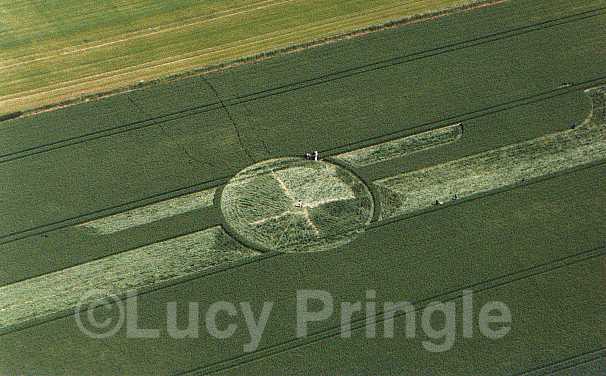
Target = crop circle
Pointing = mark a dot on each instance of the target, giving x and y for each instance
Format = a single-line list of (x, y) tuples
[(296, 205)]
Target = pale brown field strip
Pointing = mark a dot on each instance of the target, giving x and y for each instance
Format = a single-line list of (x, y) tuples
[(158, 29), (114, 79), (263, 38)]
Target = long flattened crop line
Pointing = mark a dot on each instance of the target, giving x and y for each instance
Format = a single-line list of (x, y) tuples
[(35, 299), (589, 137), (498, 170), (149, 286), (401, 147), (507, 166), (268, 255), (477, 175), (494, 192), (319, 80), (417, 166)]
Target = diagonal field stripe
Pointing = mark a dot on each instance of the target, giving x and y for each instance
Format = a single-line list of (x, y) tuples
[(321, 79), (597, 357), (42, 297), (151, 213)]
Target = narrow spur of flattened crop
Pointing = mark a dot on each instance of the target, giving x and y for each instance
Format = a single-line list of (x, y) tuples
[(151, 213), (402, 147)]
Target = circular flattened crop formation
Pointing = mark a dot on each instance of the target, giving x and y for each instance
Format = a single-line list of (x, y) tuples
[(296, 205)]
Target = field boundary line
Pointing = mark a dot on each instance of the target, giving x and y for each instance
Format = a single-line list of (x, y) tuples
[(410, 58), (273, 35), (436, 51), (357, 324), (154, 64), (234, 61), (566, 363)]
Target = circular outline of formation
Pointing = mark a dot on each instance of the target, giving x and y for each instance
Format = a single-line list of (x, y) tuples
[(296, 205)]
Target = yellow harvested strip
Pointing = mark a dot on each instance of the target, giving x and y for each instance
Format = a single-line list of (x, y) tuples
[(277, 37), (29, 59), (76, 82)]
